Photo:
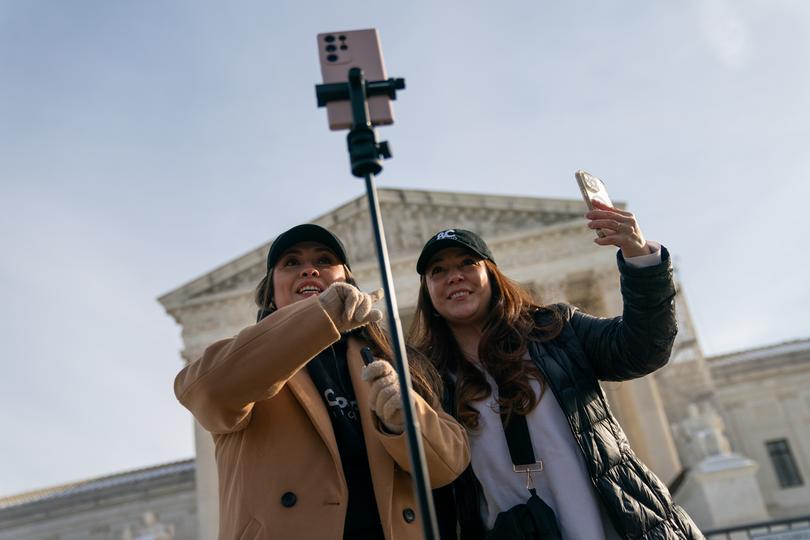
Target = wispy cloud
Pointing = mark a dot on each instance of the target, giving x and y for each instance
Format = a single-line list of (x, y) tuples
[(725, 31)]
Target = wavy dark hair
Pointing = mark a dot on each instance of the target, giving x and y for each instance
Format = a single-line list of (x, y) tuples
[(424, 378), (513, 321)]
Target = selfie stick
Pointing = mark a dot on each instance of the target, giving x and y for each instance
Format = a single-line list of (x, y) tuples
[(365, 154)]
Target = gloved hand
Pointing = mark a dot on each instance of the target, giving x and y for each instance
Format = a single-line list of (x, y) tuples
[(349, 307), (384, 397)]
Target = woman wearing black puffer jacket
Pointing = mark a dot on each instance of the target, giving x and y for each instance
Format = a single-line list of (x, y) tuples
[(507, 361)]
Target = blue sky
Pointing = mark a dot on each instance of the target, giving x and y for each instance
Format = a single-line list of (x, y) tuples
[(145, 143)]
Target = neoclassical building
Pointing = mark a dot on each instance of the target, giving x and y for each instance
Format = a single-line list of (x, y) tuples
[(763, 396), (729, 434)]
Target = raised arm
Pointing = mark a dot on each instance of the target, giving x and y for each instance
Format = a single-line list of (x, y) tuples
[(221, 387), (640, 341)]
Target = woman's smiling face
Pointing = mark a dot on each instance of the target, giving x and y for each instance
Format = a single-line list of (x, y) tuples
[(304, 270), (459, 286)]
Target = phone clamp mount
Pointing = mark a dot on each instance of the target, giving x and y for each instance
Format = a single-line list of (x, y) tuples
[(365, 152)]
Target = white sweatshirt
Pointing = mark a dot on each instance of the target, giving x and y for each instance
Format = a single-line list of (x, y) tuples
[(564, 483)]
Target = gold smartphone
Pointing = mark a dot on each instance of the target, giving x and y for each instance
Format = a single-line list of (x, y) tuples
[(340, 51), (592, 189)]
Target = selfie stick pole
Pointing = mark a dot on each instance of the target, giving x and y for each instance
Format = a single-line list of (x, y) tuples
[(365, 154)]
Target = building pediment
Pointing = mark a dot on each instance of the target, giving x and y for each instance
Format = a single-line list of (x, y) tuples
[(409, 218)]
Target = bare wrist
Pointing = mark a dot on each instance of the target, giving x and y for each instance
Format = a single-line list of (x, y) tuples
[(636, 251)]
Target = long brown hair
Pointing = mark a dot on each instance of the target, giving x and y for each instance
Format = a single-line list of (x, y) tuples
[(511, 324), (425, 379)]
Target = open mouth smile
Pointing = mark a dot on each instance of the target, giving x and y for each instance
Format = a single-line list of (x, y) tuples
[(308, 289)]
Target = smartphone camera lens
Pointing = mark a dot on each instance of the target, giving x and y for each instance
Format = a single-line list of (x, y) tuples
[(329, 39), (332, 57), (342, 38), (331, 48), (344, 47)]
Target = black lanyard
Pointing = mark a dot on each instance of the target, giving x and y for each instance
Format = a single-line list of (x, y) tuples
[(539, 518), (516, 429)]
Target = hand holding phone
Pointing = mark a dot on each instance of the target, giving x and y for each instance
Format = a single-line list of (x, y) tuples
[(614, 227), (593, 189)]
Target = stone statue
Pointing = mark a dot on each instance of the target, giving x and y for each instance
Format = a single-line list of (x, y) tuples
[(704, 432)]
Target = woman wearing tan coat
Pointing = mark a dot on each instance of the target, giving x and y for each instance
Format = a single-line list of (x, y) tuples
[(309, 441)]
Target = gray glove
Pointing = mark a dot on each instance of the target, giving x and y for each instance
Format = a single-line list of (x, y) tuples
[(349, 307), (384, 396)]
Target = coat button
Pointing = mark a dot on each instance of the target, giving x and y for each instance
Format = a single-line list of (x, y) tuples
[(409, 515), (289, 499)]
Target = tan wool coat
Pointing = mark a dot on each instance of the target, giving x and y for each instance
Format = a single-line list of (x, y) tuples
[(280, 474)]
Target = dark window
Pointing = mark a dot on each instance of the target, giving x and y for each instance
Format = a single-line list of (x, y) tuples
[(783, 463)]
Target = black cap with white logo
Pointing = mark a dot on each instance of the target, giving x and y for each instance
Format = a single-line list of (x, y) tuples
[(307, 232), (452, 238)]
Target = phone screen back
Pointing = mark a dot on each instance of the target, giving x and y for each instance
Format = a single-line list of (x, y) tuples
[(592, 188), (340, 51)]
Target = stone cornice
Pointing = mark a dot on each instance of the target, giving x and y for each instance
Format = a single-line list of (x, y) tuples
[(178, 297), (170, 479), (799, 346), (783, 359), (212, 298), (454, 200), (762, 367)]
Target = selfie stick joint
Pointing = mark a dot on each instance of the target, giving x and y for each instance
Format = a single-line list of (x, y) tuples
[(365, 152)]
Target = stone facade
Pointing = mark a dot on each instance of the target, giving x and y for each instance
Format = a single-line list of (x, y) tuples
[(157, 503), (763, 396), (687, 380)]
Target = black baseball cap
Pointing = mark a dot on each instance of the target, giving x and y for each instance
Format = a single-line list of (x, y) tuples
[(308, 232), (452, 238)]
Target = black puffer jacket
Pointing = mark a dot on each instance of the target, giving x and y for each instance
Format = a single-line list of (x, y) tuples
[(589, 349)]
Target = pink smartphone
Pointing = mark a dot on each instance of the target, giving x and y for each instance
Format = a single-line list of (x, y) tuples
[(592, 188), (340, 51)]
